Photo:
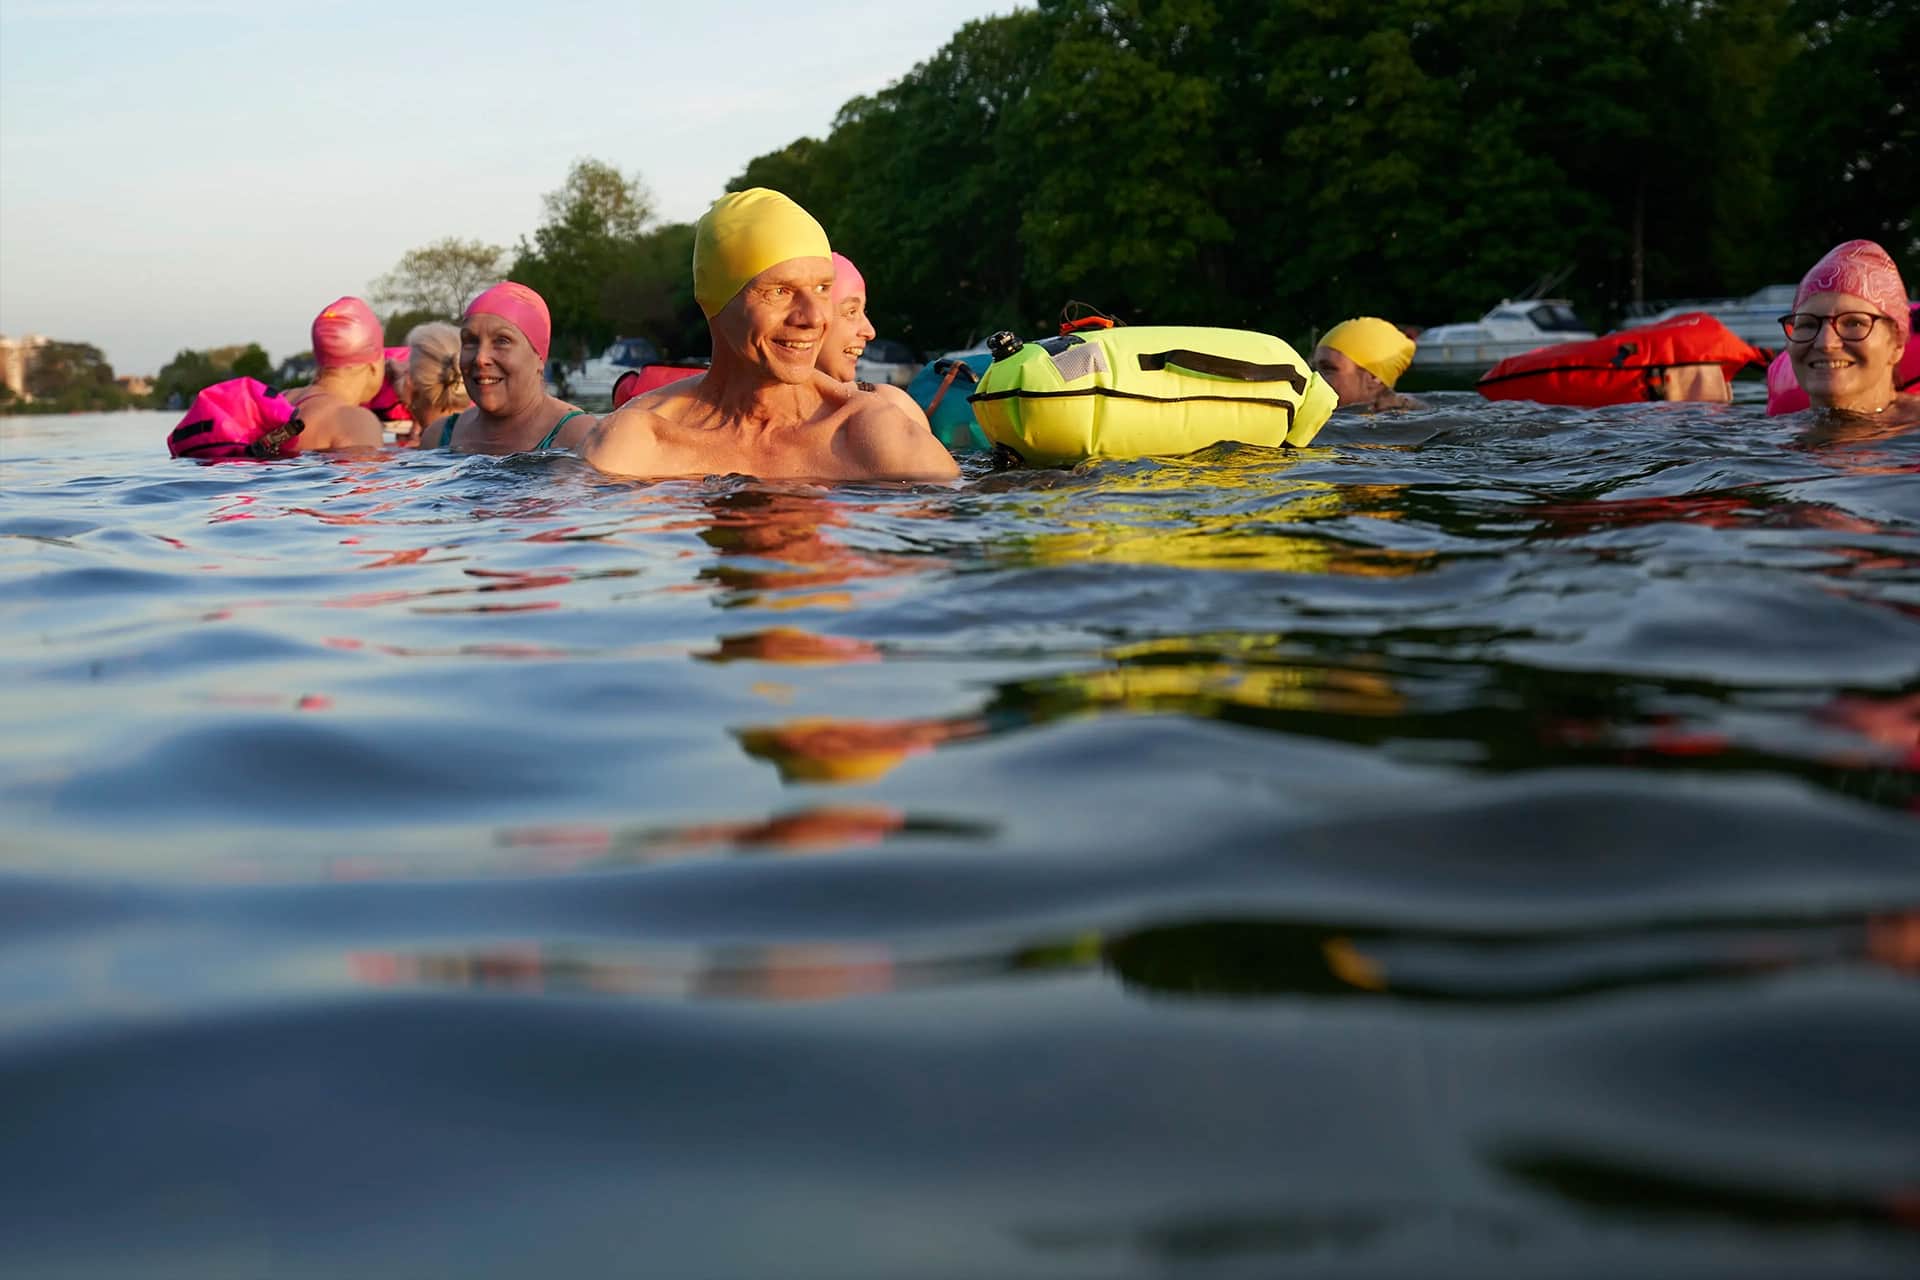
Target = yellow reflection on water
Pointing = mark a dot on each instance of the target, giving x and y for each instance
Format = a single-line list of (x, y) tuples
[(1201, 687), (1235, 518)]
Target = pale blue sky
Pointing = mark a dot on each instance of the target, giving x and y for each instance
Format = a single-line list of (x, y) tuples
[(165, 164)]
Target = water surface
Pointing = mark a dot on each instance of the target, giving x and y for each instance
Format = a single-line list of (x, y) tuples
[(1485, 843)]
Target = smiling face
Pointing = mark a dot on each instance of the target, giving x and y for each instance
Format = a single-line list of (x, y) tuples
[(848, 332), (1836, 373), (1350, 382), (499, 366), (778, 321)]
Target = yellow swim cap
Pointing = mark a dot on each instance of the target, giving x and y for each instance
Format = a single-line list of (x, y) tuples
[(1374, 345), (743, 234)]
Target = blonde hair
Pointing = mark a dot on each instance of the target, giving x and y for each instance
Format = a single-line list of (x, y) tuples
[(433, 370)]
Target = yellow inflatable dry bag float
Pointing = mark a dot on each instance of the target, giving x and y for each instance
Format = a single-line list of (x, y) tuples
[(1154, 389)]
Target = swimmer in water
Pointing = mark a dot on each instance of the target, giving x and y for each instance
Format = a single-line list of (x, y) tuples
[(504, 339), (764, 275), (1361, 360), (849, 331), (1847, 331), (350, 363), (432, 387)]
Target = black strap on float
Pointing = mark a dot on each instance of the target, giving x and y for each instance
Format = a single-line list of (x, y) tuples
[(1019, 393), (268, 445), (1223, 367)]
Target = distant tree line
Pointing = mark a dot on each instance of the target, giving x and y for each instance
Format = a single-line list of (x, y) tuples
[(66, 377), (1283, 164), (70, 377), (605, 265), (1267, 164)]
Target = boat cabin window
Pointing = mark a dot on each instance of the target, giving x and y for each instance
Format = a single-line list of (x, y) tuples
[(1556, 317), (1774, 297), (633, 353)]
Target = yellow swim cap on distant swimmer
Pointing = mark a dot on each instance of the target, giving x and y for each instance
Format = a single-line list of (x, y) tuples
[(1374, 345), (743, 234)]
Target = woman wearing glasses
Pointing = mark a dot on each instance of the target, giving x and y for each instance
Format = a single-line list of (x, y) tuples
[(1847, 332)]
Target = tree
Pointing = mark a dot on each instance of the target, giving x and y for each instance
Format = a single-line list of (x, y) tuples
[(252, 363), (811, 172), (440, 278), (184, 377), (923, 184), (598, 196), (1284, 164), (649, 292), (594, 233), (401, 323), (1847, 111), (61, 368)]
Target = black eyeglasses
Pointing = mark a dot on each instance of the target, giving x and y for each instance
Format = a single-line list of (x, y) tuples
[(1848, 326)]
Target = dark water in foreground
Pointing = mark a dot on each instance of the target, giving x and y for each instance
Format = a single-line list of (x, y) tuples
[(1487, 846)]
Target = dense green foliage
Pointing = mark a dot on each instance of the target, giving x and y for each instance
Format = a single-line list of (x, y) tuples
[(441, 278), (605, 270), (68, 377), (252, 362), (1281, 164), (399, 324), (183, 377)]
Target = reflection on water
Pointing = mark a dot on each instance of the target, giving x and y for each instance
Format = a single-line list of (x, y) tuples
[(774, 544), (823, 750), (1481, 844)]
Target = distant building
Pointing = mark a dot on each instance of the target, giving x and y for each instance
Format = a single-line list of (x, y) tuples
[(135, 385), (16, 359)]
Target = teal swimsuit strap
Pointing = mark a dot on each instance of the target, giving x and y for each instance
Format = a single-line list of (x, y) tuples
[(446, 430), (548, 438)]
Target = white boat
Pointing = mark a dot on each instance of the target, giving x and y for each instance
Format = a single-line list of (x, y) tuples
[(1754, 319), (593, 381), (1510, 329)]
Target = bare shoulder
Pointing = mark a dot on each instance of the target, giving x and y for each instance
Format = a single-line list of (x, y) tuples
[(904, 403), (623, 442), (887, 435), (440, 430), (576, 425), (334, 424)]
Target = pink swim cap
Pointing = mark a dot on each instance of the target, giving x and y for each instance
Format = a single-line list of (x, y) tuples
[(347, 333), (520, 307), (1862, 268), (847, 280), (1783, 386)]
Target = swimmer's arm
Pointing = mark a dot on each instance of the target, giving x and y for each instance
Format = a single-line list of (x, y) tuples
[(620, 443), (889, 444), (904, 403)]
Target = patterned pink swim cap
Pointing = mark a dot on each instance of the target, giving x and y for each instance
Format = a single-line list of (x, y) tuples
[(1862, 268), (347, 333)]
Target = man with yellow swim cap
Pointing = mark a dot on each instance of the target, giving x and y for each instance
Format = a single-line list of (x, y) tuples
[(1361, 360), (763, 274)]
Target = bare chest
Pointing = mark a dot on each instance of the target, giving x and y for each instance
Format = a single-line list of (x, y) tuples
[(804, 452)]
